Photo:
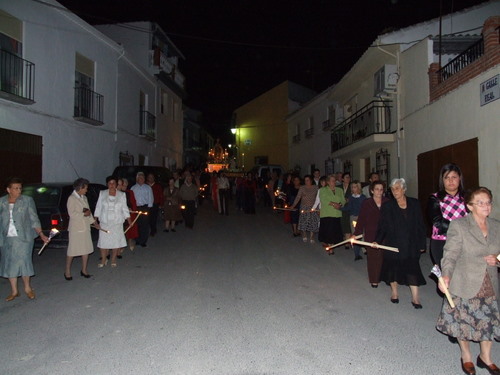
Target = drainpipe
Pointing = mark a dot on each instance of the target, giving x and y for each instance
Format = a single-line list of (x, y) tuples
[(398, 107), (116, 94)]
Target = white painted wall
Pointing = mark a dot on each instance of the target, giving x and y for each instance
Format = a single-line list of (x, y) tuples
[(51, 38), (316, 149)]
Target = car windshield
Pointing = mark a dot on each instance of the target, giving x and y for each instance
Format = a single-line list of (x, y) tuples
[(44, 196)]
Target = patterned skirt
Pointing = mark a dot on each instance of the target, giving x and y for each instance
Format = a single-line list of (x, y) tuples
[(475, 319), (309, 221)]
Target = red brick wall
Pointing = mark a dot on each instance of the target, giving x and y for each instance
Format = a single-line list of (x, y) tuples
[(491, 58)]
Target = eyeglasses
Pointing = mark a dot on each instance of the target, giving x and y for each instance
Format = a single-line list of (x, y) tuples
[(482, 204)]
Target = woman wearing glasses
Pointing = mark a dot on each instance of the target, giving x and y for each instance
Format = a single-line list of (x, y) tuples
[(469, 268)]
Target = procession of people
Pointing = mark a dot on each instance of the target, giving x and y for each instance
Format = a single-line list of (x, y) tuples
[(465, 241)]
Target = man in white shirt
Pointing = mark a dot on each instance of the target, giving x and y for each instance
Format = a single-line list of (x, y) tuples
[(144, 198), (374, 176)]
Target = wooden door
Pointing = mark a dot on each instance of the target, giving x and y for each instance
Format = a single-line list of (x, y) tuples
[(464, 154)]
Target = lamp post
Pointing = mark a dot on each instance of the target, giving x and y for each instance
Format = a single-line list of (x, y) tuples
[(234, 131)]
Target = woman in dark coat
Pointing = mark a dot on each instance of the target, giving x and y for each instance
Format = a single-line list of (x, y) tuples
[(401, 225), (171, 205), (367, 224)]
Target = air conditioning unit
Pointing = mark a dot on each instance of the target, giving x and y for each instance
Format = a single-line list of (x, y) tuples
[(385, 80)]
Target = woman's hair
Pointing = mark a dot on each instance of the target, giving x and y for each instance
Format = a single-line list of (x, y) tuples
[(111, 178), (346, 174), (398, 181), (375, 183), (356, 183), (310, 177), (80, 183), (322, 179), (13, 180), (445, 170), (471, 194)]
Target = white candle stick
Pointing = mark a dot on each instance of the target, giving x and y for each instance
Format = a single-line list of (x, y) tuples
[(377, 246), (284, 209), (139, 213), (343, 242), (437, 271), (53, 232)]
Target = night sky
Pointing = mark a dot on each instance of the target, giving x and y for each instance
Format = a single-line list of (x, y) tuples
[(237, 49)]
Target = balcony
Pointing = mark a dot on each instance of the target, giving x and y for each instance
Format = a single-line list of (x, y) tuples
[(168, 66), (17, 78), (326, 125), (147, 125), (296, 138), (89, 106), (309, 132), (374, 118), (467, 57)]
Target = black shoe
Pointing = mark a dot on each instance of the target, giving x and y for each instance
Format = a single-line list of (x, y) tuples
[(492, 369), (119, 256), (416, 305), (358, 257), (173, 230), (144, 245), (68, 278), (86, 275), (374, 285), (166, 230), (395, 300)]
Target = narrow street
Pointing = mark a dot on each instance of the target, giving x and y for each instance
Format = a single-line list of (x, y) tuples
[(236, 295)]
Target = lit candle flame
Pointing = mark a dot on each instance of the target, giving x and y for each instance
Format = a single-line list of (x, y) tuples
[(354, 222), (183, 207)]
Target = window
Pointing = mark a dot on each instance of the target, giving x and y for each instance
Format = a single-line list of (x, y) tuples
[(88, 104), (310, 130), (147, 121), (164, 102), (16, 74)]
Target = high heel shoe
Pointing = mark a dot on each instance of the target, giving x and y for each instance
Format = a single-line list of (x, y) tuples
[(86, 275), (68, 278), (395, 300), (100, 265), (492, 369), (11, 297), (416, 305), (31, 294), (468, 367)]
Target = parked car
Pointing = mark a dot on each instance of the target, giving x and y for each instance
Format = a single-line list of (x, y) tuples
[(129, 172), (50, 200)]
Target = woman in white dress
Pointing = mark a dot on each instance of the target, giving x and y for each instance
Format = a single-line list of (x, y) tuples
[(112, 211)]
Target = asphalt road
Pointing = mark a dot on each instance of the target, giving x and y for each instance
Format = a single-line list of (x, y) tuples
[(236, 295)]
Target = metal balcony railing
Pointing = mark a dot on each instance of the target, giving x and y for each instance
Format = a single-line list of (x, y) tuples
[(147, 124), (17, 78), (309, 132), (374, 118), (89, 106), (470, 55), (296, 138)]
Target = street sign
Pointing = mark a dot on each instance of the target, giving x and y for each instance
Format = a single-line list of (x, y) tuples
[(490, 90)]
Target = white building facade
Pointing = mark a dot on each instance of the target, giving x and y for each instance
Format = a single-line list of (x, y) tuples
[(70, 98), (309, 135), (396, 114)]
